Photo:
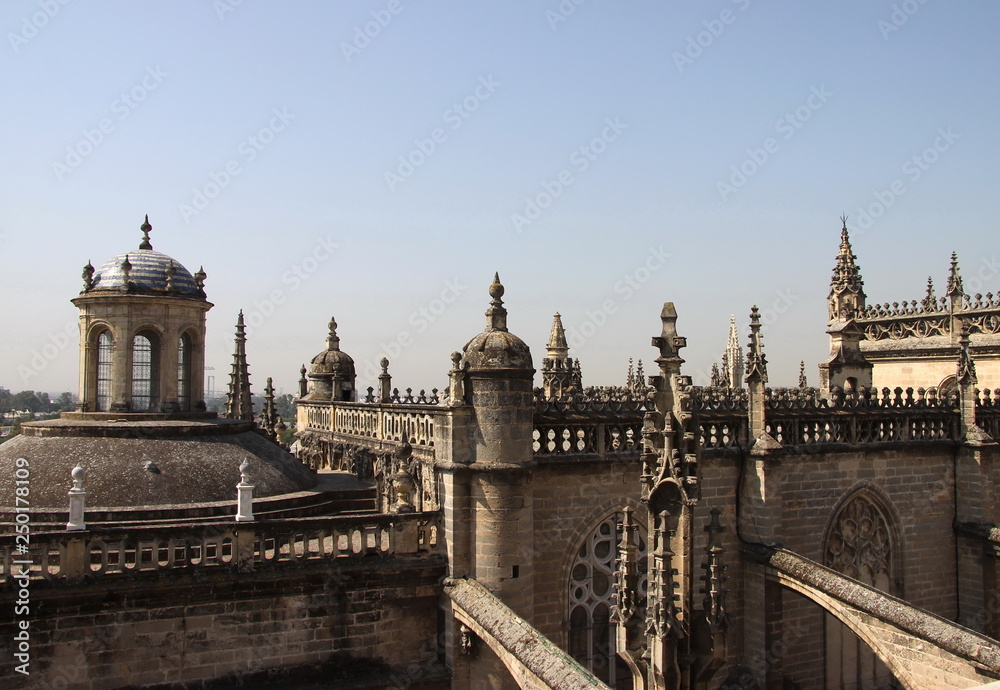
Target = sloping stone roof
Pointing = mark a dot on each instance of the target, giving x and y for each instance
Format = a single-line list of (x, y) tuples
[(148, 463)]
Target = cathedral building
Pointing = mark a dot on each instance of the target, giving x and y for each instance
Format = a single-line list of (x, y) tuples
[(498, 535)]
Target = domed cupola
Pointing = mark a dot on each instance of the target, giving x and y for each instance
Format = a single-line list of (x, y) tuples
[(142, 334), (144, 271), (332, 371), (496, 348)]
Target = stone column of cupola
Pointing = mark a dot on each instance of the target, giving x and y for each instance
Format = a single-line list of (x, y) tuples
[(169, 356), (121, 371)]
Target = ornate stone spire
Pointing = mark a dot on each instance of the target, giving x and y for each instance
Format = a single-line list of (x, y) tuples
[(733, 357), (269, 417), (496, 315), (803, 383), (956, 290), (145, 227), (847, 295), (560, 375), (557, 347), (966, 373), (929, 302), (756, 362), (238, 401), (714, 578)]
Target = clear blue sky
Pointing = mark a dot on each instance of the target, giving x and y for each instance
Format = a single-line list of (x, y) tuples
[(825, 104)]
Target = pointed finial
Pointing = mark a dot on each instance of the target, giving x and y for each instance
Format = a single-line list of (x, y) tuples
[(145, 227), (557, 346), (756, 361), (199, 278), (802, 374), (966, 373), (240, 324), (955, 286), (88, 276), (496, 315), (332, 341), (171, 272)]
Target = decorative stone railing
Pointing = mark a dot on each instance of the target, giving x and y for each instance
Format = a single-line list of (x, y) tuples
[(928, 318), (805, 417), (590, 427), (216, 546), (413, 424)]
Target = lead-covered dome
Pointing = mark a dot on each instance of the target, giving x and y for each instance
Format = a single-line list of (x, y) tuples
[(145, 271), (496, 347)]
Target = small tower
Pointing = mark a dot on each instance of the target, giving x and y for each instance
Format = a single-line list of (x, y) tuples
[(846, 367), (332, 371), (560, 376), (499, 385), (847, 295), (956, 299), (238, 401), (142, 334)]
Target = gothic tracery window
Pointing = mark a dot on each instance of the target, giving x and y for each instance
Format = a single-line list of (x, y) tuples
[(860, 545), (591, 596)]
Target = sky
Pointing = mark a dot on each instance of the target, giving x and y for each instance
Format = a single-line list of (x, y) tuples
[(377, 161)]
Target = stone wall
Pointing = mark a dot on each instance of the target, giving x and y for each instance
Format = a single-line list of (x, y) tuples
[(375, 616)]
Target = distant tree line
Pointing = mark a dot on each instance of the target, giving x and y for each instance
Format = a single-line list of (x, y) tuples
[(34, 402)]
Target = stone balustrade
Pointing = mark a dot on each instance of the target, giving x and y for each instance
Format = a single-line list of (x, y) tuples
[(400, 423), (128, 551), (804, 417)]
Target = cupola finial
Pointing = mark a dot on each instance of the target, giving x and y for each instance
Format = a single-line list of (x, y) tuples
[(145, 227), (496, 315)]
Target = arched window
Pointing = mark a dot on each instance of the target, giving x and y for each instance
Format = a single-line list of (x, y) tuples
[(591, 596), (860, 544), (105, 351), (145, 366), (184, 372)]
